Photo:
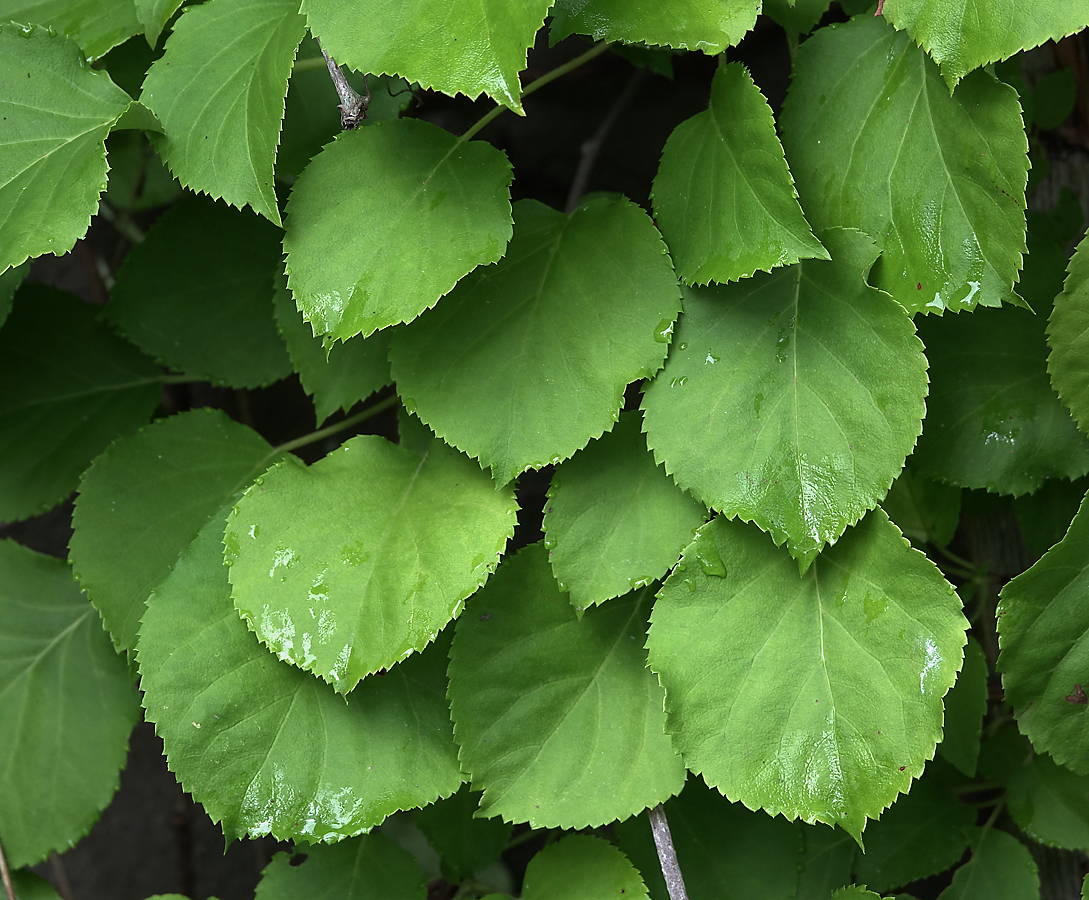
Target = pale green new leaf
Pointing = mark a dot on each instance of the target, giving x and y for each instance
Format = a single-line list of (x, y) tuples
[(723, 196), (875, 141), (580, 306), (96, 25), (66, 705), (558, 719), (1043, 621), (268, 749), (1001, 868), (965, 705), (1050, 803), (1068, 337), (219, 90), (581, 867), (791, 399), (197, 295), (154, 14), (142, 501), (961, 35), (453, 46), (56, 112), (68, 387), (348, 566), (368, 867), (387, 218), (816, 696), (465, 842)]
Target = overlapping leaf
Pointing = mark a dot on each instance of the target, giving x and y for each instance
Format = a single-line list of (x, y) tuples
[(68, 387), (66, 704), (348, 566), (154, 14), (876, 142), (386, 219), (56, 112), (926, 511), (1001, 868), (197, 295), (465, 842), (268, 749), (796, 16), (580, 306), (816, 696), (453, 46), (219, 92), (96, 25), (143, 501), (1050, 803), (723, 196), (557, 717), (9, 284), (965, 705), (1068, 337), (581, 867), (962, 35), (792, 399)]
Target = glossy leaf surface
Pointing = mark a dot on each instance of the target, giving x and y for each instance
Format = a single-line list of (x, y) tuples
[(581, 867), (95, 25), (723, 196), (350, 565), (386, 219), (66, 704), (558, 720), (267, 749), (1001, 868), (614, 520), (221, 100), (792, 399), (815, 697), (579, 307), (1068, 337), (57, 112), (876, 142)]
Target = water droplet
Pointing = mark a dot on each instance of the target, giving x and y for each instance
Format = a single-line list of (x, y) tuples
[(679, 382), (709, 560), (664, 332), (682, 346), (711, 359)]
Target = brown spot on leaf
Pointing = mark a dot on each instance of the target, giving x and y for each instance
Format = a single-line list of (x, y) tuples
[(1078, 696)]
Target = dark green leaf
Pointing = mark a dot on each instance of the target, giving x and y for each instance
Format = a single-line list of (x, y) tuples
[(1050, 803), (96, 25), (1045, 515), (9, 284), (466, 844), (581, 867), (925, 510), (796, 17), (1068, 336), (29, 886), (965, 705), (1001, 868)]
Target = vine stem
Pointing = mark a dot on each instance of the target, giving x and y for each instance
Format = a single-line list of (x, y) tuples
[(321, 433), (667, 856), (9, 888)]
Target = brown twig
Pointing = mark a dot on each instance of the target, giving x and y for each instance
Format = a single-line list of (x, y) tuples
[(353, 106), (9, 888), (64, 886), (667, 856)]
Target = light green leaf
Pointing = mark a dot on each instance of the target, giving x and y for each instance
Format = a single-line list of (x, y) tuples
[(1001, 868), (56, 112), (197, 295), (614, 520), (453, 46), (723, 195), (558, 719), (153, 15), (66, 704), (386, 219), (1051, 804), (1042, 625), (816, 696), (219, 92), (96, 25), (369, 867), (267, 749), (348, 566), (142, 501), (875, 141), (68, 387), (792, 399), (962, 35), (579, 307), (9, 284), (465, 843), (581, 867), (965, 705), (684, 24), (336, 377), (1068, 337), (926, 511)]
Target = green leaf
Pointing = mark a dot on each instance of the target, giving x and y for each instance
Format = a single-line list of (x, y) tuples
[(723, 196), (962, 35), (579, 307), (29, 886), (993, 420), (154, 14), (336, 377), (197, 295), (684, 24), (816, 696), (96, 25), (1045, 515), (1068, 337), (1051, 804), (1042, 624), (1001, 868), (386, 219), (267, 749), (827, 855), (854, 892), (66, 704), (57, 112), (466, 844), (926, 511), (876, 142), (219, 92), (581, 867), (558, 719), (796, 17), (67, 388), (9, 284), (369, 867), (453, 46), (615, 521), (965, 705), (144, 499), (384, 543), (792, 399)]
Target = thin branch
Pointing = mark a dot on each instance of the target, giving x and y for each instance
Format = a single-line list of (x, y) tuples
[(667, 856), (64, 886), (353, 106), (9, 888), (321, 433)]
